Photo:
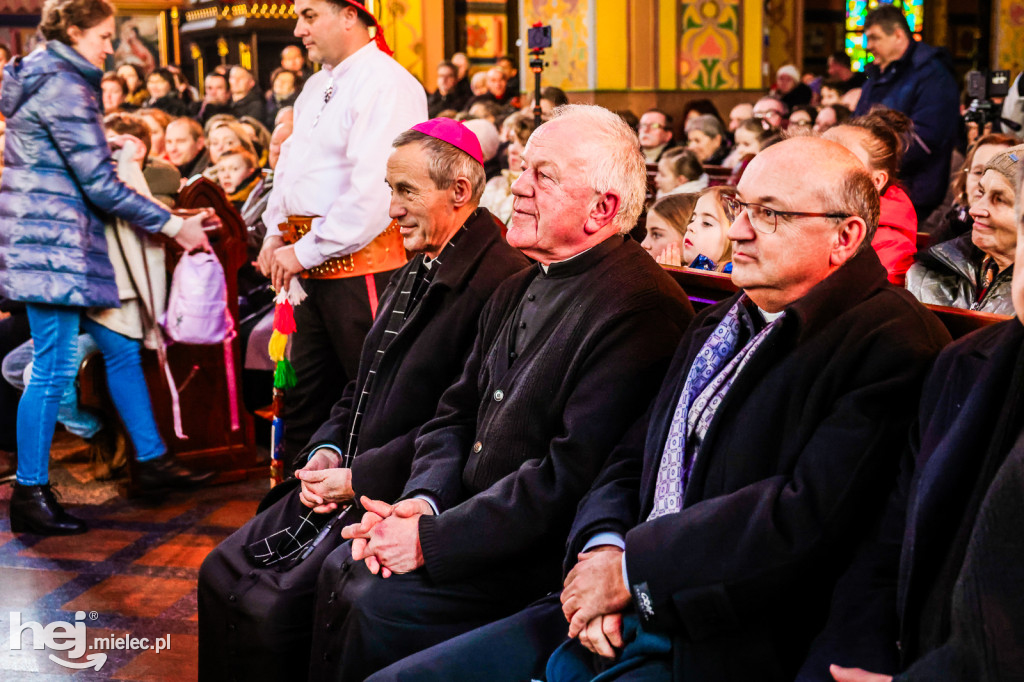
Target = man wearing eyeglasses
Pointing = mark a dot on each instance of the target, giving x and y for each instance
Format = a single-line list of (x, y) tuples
[(772, 110), (768, 456), (655, 131)]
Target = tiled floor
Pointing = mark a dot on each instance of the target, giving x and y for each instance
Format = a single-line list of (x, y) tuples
[(132, 576)]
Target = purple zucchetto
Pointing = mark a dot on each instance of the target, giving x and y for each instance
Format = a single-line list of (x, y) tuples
[(454, 133)]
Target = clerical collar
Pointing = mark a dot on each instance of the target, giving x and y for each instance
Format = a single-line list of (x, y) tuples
[(582, 261)]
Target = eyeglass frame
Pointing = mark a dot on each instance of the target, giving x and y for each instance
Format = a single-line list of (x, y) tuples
[(734, 205), (652, 126)]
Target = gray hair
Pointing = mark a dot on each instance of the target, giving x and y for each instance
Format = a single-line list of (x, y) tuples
[(707, 124), (448, 163), (616, 163)]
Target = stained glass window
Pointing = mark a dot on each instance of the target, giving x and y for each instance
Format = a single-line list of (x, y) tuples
[(856, 10)]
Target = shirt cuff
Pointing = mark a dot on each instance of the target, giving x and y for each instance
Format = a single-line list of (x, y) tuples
[(307, 253), (429, 500), (613, 539), (332, 448), (173, 226)]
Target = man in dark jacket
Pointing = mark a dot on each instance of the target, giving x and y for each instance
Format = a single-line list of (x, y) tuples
[(568, 356), (254, 617), (916, 79), (446, 96), (246, 99)]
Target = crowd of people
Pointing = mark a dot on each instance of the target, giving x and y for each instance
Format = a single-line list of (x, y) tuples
[(515, 451)]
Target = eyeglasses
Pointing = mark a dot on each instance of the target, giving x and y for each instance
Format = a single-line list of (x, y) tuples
[(765, 219), (651, 126)]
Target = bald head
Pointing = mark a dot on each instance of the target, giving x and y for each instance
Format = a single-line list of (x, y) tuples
[(811, 208)]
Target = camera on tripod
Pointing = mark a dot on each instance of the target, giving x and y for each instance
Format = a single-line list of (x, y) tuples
[(982, 89), (538, 39)]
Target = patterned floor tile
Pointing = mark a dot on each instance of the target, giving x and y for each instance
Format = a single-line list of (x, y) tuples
[(23, 586), (233, 514), (133, 596), (187, 550), (97, 545)]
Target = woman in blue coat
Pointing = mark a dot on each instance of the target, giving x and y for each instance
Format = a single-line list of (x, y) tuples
[(59, 188)]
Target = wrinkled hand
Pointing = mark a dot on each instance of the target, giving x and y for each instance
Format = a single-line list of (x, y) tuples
[(603, 635), (283, 265), (388, 538), (594, 588), (192, 236), (266, 257), (324, 484), (856, 675), (671, 255)]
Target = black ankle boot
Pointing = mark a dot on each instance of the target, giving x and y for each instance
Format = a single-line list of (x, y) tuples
[(34, 509), (164, 474)]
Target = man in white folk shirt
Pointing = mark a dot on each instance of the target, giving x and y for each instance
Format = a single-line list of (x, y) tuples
[(327, 216)]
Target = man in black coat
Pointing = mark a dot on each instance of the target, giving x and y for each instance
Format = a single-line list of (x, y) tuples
[(569, 355), (255, 619), (246, 98)]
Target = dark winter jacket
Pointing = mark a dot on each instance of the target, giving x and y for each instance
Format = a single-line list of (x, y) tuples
[(921, 85), (60, 184), (948, 275)]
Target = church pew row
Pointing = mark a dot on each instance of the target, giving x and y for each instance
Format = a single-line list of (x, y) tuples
[(199, 370), (706, 288)]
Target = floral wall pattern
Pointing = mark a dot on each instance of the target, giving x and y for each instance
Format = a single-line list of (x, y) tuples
[(709, 45)]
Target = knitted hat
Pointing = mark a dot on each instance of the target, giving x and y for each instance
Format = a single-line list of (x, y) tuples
[(454, 133), (1008, 164), (790, 71)]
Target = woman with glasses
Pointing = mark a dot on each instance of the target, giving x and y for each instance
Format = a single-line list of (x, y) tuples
[(975, 270), (878, 140)]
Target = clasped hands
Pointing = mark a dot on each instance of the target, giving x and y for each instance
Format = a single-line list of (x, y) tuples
[(324, 484), (278, 262), (593, 598), (388, 537)]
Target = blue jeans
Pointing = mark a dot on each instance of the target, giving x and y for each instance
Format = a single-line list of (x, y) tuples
[(80, 422), (55, 335)]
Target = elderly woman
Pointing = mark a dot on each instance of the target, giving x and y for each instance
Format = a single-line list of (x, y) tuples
[(59, 190), (705, 136), (975, 270)]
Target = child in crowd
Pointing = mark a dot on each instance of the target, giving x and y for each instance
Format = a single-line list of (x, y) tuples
[(666, 225), (238, 171), (706, 244), (679, 172)]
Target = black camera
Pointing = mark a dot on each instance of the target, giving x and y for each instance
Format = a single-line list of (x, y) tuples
[(538, 37), (983, 88)]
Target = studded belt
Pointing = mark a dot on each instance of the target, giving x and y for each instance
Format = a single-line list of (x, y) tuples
[(384, 253)]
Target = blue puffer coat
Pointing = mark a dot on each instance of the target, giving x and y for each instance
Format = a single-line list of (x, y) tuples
[(60, 184)]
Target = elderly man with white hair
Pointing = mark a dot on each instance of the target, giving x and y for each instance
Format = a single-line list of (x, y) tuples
[(568, 358)]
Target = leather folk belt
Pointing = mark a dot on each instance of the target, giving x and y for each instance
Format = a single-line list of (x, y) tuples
[(384, 253)]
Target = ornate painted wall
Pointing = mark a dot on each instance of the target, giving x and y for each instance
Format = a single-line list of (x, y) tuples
[(709, 45), (783, 19), (1009, 30), (572, 31)]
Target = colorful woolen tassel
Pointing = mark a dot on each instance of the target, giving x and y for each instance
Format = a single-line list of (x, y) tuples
[(284, 375), (277, 346), (284, 318)]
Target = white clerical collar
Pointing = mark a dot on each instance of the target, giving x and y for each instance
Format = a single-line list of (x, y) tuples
[(770, 317), (545, 267)]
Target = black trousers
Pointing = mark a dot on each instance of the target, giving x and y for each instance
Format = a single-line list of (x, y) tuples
[(512, 649), (364, 622), (332, 324), (256, 623)]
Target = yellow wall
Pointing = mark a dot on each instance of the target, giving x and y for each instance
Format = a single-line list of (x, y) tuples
[(1008, 27)]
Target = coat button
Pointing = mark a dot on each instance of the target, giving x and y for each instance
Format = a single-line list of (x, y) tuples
[(232, 598), (531, 297), (499, 395), (477, 447)]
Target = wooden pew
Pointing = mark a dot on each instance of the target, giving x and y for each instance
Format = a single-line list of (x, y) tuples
[(707, 288), (718, 175), (199, 371)]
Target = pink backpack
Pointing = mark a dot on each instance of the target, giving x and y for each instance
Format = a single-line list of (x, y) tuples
[(198, 313)]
